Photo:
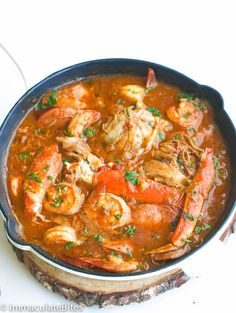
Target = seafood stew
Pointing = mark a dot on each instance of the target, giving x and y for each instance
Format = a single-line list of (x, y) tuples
[(120, 173)]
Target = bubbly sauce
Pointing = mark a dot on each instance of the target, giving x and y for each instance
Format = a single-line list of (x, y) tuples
[(147, 228)]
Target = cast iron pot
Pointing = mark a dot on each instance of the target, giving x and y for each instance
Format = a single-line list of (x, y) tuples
[(90, 286)]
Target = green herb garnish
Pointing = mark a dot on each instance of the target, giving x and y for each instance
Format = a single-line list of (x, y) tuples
[(199, 229), (117, 216), (161, 136), (187, 216), (40, 131), (52, 99), (130, 230), (99, 238), (49, 177), (46, 168), (65, 161), (39, 149), (174, 224), (89, 132), (147, 90), (186, 240), (154, 111), (69, 245), (68, 133), (177, 137), (188, 96), (127, 112), (56, 202), (35, 177), (216, 163), (85, 232), (23, 155), (186, 115), (117, 160), (132, 177), (120, 101)]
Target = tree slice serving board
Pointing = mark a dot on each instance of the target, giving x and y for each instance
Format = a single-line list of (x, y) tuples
[(87, 292)]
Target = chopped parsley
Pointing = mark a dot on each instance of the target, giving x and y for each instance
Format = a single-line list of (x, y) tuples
[(117, 216), (46, 168), (188, 96), (187, 216), (49, 177), (132, 177), (186, 115), (161, 136), (56, 202), (174, 224), (154, 111), (68, 133), (61, 188), (85, 232), (179, 160), (35, 177), (147, 90), (216, 163), (177, 137), (130, 230), (120, 101), (199, 229), (40, 131), (127, 112), (117, 160), (99, 238), (40, 149), (69, 245), (192, 130), (51, 101), (186, 240), (134, 92), (65, 161), (113, 253), (89, 132), (23, 155)]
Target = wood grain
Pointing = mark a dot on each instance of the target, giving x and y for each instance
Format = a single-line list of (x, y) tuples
[(87, 292)]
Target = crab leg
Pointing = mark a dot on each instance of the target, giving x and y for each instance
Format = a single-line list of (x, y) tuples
[(196, 193), (146, 190)]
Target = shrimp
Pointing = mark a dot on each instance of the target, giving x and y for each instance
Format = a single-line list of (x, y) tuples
[(186, 115), (63, 198), (61, 235), (196, 193), (81, 120), (108, 210), (111, 263), (56, 118), (133, 92), (43, 172), (136, 92), (68, 96), (78, 149)]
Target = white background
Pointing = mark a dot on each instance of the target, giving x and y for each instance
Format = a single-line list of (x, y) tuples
[(193, 37)]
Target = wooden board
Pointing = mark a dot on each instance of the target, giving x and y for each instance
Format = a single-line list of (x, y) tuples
[(88, 292)]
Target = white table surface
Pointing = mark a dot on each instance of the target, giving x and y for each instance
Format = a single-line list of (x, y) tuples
[(193, 37)]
